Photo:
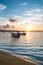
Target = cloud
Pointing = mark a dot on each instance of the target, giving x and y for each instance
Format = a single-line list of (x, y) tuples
[(35, 11), (32, 17), (4, 20), (24, 3), (35, 15), (12, 20), (2, 6), (17, 17)]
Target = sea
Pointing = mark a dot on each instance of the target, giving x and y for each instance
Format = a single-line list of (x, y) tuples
[(29, 46)]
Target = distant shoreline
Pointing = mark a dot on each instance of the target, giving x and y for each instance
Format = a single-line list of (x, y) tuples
[(20, 31)]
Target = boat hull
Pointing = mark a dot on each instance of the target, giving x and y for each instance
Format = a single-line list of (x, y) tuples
[(15, 35), (21, 33)]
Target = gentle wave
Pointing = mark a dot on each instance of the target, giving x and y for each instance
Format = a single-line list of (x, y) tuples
[(36, 53), (29, 46)]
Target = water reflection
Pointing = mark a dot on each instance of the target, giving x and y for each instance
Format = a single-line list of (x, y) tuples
[(28, 46), (34, 37), (30, 37)]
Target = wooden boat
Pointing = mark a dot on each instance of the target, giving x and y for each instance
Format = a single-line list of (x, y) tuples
[(21, 33), (15, 35)]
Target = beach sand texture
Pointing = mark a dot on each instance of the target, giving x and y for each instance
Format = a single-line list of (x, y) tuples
[(7, 59)]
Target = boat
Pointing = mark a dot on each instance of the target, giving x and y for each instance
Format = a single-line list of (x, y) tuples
[(15, 35), (21, 33)]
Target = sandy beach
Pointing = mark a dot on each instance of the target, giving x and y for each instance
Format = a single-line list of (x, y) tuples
[(7, 59)]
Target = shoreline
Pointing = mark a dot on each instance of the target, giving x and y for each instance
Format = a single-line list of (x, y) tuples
[(9, 59), (2, 30)]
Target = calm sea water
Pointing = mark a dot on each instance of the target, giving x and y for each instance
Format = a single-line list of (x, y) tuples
[(29, 46)]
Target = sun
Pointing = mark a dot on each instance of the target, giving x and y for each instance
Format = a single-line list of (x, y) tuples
[(28, 27)]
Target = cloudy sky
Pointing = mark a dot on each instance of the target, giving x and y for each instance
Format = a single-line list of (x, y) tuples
[(28, 13)]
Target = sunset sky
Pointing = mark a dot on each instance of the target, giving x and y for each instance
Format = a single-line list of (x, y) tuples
[(28, 13)]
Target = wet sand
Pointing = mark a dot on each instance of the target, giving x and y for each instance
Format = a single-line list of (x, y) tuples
[(7, 59)]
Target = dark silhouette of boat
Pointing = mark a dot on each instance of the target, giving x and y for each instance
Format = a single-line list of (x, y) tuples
[(15, 35), (21, 33)]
